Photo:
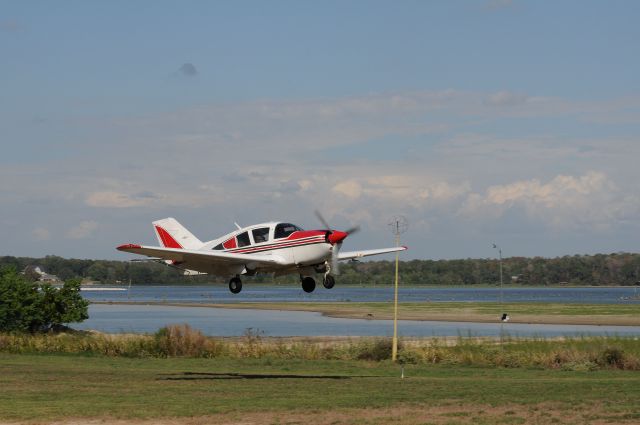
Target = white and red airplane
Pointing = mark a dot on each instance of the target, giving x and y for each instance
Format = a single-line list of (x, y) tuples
[(277, 247)]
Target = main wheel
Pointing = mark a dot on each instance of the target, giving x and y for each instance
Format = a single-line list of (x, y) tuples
[(308, 284), (329, 281), (235, 285)]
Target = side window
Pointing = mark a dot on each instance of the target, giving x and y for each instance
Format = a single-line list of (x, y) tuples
[(230, 243), (243, 239), (218, 247), (260, 235), (285, 229)]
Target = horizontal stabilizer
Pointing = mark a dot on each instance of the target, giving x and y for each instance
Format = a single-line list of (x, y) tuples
[(359, 254)]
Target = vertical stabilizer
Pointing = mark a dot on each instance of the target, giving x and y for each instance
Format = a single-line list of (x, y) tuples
[(172, 234)]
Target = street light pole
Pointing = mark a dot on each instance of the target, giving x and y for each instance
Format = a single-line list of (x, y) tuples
[(398, 225), (394, 347), (500, 261), (505, 317)]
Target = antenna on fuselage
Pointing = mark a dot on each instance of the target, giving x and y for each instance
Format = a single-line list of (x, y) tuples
[(237, 225)]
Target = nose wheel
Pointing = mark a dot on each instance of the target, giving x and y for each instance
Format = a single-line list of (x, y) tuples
[(308, 284), (235, 285)]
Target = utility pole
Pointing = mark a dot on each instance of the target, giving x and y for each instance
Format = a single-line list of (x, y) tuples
[(504, 316), (398, 225)]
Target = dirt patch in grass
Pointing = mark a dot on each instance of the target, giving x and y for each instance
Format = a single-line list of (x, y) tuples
[(454, 412)]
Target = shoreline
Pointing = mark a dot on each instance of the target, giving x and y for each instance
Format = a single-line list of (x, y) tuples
[(371, 311)]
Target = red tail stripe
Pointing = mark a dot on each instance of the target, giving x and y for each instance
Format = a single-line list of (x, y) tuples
[(128, 246), (167, 240)]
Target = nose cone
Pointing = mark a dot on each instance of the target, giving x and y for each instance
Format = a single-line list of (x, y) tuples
[(337, 236)]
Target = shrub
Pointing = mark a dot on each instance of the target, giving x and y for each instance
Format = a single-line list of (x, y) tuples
[(183, 341), (612, 356), (377, 350), (27, 306)]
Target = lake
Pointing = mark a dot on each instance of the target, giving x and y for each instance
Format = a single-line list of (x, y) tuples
[(229, 322), (269, 293)]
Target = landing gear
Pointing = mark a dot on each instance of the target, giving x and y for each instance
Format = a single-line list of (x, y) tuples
[(308, 284), (235, 285), (328, 281)]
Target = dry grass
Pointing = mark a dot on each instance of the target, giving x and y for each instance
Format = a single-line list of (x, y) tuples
[(587, 353)]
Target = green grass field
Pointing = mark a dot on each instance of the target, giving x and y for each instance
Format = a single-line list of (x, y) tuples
[(43, 388)]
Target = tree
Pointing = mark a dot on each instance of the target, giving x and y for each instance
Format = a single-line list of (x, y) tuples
[(27, 306)]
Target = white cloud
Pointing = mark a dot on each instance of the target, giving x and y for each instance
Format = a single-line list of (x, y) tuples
[(41, 234), (505, 98), (351, 189), (83, 230), (564, 202), (111, 200), (414, 152)]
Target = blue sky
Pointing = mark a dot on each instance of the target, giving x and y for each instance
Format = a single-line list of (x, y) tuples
[(514, 122)]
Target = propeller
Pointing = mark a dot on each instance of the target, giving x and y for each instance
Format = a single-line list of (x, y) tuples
[(335, 238)]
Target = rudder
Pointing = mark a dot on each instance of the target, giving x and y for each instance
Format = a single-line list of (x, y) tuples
[(172, 234)]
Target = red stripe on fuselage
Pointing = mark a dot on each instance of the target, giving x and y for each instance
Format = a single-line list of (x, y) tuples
[(167, 240), (276, 246)]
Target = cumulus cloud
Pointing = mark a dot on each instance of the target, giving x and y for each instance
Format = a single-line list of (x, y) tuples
[(233, 159), (351, 189), (564, 202), (412, 190), (83, 230)]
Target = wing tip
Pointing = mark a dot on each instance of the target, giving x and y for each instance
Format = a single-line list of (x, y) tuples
[(405, 247), (127, 246)]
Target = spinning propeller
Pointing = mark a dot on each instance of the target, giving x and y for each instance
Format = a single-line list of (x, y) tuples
[(335, 238)]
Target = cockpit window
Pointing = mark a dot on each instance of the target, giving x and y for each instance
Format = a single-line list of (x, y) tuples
[(218, 247), (285, 229), (243, 239), (260, 235)]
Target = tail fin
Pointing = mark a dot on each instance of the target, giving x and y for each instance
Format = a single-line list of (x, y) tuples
[(172, 234)]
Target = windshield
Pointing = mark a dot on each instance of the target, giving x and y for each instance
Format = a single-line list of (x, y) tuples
[(285, 229)]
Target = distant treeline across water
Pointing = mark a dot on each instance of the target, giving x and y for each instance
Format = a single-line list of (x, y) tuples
[(599, 269)]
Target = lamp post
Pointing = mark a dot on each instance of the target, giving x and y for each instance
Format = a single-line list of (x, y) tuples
[(398, 225), (504, 316)]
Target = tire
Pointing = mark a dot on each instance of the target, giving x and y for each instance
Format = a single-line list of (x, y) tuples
[(329, 281), (308, 284), (235, 285)]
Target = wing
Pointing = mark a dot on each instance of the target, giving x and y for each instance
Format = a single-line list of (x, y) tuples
[(358, 254), (213, 258)]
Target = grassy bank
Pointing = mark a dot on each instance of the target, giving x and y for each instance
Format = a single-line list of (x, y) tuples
[(226, 390), (590, 353), (488, 312)]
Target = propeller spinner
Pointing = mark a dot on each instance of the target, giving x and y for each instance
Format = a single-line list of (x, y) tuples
[(335, 238)]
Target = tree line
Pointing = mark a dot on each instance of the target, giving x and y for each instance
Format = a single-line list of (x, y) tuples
[(599, 270)]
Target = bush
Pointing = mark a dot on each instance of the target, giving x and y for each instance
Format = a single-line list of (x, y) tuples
[(613, 357), (377, 350), (27, 306), (183, 341)]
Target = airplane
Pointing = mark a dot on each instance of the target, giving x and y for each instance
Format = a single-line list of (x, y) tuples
[(275, 247)]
